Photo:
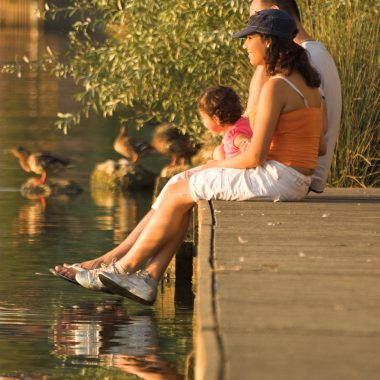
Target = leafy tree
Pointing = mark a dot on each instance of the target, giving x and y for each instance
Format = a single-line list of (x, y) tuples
[(158, 56), (156, 59)]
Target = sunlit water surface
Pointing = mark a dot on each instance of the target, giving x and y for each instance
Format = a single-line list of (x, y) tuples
[(50, 328)]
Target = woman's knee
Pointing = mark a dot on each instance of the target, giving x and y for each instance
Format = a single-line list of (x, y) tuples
[(179, 193)]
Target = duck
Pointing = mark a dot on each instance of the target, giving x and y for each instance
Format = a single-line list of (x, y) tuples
[(41, 163), (170, 141), (130, 147)]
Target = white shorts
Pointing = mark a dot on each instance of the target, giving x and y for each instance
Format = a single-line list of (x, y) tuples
[(176, 178), (272, 180)]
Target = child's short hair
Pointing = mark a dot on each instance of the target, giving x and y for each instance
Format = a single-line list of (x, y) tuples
[(222, 102)]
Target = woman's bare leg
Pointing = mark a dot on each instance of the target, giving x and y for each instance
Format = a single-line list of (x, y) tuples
[(115, 253), (163, 233), (158, 264)]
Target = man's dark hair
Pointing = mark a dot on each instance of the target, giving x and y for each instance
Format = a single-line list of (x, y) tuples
[(222, 102), (289, 6)]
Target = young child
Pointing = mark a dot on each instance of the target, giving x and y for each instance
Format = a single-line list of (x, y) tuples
[(220, 110)]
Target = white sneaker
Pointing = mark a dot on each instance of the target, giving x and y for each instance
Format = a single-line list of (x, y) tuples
[(138, 286), (89, 278)]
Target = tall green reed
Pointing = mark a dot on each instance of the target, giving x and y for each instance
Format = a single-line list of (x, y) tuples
[(350, 29)]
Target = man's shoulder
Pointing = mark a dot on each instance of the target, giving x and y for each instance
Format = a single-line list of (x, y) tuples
[(321, 59), (315, 47)]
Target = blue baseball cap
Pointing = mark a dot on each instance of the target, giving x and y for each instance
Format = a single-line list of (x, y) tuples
[(273, 22)]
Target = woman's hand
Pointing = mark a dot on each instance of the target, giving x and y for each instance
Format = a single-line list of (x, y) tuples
[(242, 142), (243, 146)]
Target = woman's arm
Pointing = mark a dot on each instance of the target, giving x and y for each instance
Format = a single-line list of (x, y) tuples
[(268, 112)]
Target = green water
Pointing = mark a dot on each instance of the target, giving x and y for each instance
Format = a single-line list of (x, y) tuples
[(50, 328)]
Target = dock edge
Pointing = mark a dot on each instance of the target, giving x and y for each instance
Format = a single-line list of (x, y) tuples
[(208, 348)]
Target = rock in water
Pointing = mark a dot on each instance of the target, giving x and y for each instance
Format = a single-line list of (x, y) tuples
[(52, 187), (122, 175)]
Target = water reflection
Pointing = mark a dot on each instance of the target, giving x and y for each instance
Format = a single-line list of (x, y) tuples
[(16, 321), (95, 332), (49, 328), (107, 332), (71, 328), (36, 95), (121, 211), (41, 216), (31, 219)]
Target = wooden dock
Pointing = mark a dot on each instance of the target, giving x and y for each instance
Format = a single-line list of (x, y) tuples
[(289, 290)]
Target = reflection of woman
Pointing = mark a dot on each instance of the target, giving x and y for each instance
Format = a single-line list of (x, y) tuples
[(287, 124), (128, 343), (88, 329)]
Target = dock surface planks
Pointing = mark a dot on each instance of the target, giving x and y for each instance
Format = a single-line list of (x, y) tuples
[(290, 290)]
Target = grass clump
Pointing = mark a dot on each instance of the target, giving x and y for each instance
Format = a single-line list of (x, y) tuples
[(350, 29)]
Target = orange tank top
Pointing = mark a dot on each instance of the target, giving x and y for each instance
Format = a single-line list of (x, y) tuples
[(295, 141)]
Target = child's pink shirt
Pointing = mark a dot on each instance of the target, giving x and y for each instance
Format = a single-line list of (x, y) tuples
[(241, 127)]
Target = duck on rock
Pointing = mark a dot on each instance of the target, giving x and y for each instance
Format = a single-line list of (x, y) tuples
[(169, 141), (41, 163), (130, 147)]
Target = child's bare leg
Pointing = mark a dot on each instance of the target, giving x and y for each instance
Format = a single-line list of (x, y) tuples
[(115, 253), (163, 233)]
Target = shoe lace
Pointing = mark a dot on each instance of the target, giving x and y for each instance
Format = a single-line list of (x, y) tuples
[(103, 267), (146, 276), (143, 274)]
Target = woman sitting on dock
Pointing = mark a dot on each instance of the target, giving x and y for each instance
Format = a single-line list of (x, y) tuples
[(277, 164)]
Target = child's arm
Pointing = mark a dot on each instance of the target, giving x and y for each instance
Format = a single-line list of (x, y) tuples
[(268, 111), (219, 153)]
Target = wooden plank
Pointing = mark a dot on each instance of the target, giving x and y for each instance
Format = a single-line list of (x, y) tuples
[(297, 286)]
